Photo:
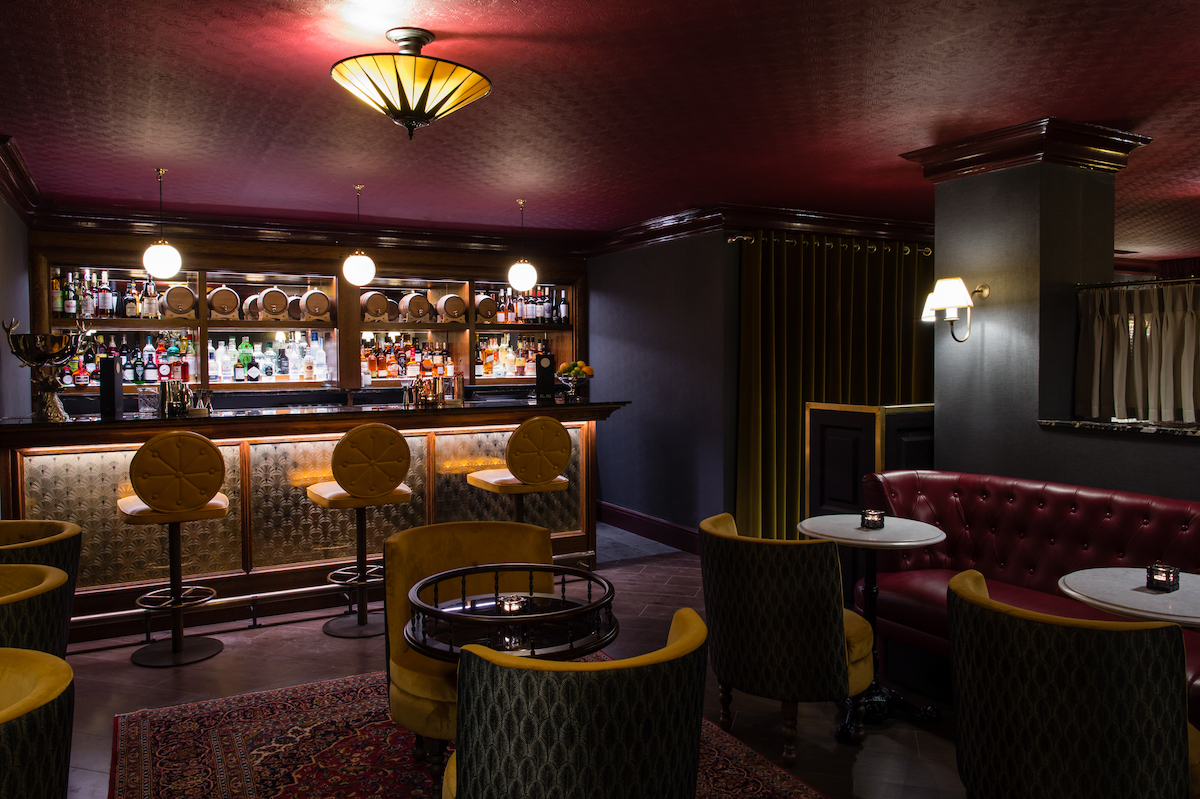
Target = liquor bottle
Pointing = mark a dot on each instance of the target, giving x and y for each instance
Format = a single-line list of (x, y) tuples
[(519, 361), (83, 378), (489, 354), (254, 370), (148, 306), (129, 303), (148, 360), (89, 358), (191, 365), (282, 368), (85, 307), (439, 365), (56, 295), (245, 352), (368, 360), (295, 357), (479, 357), (309, 363), (426, 362), (70, 299), (412, 364), (519, 309), (139, 366), (391, 367), (268, 363), (162, 361), (104, 302), (126, 366), (563, 316), (174, 361), (66, 376), (320, 359), (239, 370)]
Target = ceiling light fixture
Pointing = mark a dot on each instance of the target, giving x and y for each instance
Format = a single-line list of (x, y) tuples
[(358, 268), (949, 294), (411, 88), (522, 276), (161, 259)]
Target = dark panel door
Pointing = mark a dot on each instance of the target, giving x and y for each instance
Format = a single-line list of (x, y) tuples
[(841, 451), (908, 440)]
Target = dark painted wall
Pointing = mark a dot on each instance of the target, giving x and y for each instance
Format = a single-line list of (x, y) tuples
[(663, 334), (1032, 232), (14, 304)]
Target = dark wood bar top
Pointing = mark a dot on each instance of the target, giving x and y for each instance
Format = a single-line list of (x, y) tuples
[(297, 420)]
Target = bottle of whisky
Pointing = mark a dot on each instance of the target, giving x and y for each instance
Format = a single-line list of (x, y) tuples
[(56, 295)]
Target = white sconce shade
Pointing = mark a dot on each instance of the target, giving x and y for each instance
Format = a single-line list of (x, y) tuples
[(358, 268), (950, 292), (162, 260), (927, 313), (522, 276)]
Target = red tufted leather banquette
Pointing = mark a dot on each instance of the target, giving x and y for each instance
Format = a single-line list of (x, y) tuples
[(1022, 535)]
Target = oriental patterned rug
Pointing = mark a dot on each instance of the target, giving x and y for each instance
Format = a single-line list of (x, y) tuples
[(335, 739)]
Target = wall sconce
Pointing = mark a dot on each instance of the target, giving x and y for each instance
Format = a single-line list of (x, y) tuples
[(950, 294)]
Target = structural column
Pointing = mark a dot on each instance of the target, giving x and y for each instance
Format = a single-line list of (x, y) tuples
[(1029, 210)]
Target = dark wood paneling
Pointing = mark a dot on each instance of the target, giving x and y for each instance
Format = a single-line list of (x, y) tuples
[(664, 532), (908, 441), (841, 450)]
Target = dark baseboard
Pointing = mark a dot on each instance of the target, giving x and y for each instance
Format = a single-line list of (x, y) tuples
[(660, 530)]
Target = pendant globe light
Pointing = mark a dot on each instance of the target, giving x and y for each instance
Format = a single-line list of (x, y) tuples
[(161, 259), (411, 88), (358, 267), (522, 275)]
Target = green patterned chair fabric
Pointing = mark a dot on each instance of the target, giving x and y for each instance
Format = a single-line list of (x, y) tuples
[(621, 729), (777, 625), (35, 608), (37, 704), (48, 542), (1056, 707)]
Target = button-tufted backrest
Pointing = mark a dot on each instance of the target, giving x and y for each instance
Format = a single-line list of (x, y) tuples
[(1029, 532)]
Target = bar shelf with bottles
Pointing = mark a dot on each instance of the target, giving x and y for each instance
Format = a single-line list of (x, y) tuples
[(515, 327), (193, 323)]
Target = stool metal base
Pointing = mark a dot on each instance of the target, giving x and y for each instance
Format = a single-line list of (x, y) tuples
[(347, 626), (348, 575), (160, 654)]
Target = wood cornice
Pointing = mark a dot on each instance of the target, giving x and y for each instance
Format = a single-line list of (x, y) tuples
[(734, 218), (288, 232), (1049, 140), (16, 184)]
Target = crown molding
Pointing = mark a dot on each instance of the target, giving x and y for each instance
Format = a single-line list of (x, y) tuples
[(1049, 140), (16, 184), (291, 232), (727, 217)]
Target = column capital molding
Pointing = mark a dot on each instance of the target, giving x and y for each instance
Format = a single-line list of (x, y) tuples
[(1048, 140)]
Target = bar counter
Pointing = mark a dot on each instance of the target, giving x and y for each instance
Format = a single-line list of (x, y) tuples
[(273, 538)]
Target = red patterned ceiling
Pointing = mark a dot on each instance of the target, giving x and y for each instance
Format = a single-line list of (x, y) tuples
[(604, 113)]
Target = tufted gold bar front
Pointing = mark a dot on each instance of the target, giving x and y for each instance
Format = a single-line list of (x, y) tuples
[(273, 538)]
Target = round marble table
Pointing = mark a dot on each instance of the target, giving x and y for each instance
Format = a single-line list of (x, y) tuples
[(1123, 591), (896, 533)]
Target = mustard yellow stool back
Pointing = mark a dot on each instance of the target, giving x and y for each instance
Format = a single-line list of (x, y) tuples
[(176, 478), (369, 465), (37, 707), (538, 453), (35, 607)]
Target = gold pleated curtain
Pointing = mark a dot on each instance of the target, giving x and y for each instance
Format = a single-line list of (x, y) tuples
[(823, 319)]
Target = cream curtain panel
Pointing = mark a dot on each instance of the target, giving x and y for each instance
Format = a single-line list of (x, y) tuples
[(823, 319), (1137, 356)]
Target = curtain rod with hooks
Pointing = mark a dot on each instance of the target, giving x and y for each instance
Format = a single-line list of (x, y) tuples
[(1136, 284)]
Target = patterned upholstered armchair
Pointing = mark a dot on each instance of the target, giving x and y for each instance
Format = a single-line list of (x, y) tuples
[(1048, 706), (50, 543), (35, 608), (618, 729), (422, 691), (37, 704), (779, 629)]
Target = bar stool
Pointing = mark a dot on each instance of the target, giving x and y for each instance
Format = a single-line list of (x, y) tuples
[(369, 465), (35, 608), (176, 478), (538, 452)]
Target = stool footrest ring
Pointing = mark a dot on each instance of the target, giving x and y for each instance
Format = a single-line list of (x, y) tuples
[(349, 575), (161, 598)]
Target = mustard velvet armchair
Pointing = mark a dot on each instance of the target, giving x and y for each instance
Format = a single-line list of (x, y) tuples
[(1055, 707), (422, 692), (618, 729), (35, 608), (37, 705), (48, 542), (778, 629)]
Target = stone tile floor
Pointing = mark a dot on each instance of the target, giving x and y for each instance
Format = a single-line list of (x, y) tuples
[(652, 581)]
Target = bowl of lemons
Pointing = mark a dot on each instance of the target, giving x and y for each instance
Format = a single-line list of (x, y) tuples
[(573, 375)]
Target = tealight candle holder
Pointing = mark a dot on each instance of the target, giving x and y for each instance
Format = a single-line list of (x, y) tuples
[(511, 604), (1162, 578), (872, 519)]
